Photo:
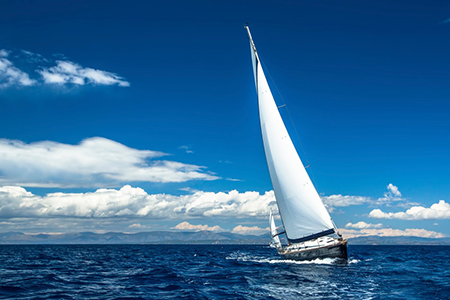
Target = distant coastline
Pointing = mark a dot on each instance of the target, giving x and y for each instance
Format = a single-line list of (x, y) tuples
[(199, 237)]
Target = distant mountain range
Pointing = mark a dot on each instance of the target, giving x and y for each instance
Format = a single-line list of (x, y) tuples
[(199, 237), (152, 237)]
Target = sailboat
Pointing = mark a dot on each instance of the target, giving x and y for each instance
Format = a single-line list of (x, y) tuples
[(307, 225)]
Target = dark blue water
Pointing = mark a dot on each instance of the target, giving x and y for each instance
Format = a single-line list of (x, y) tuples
[(219, 272)]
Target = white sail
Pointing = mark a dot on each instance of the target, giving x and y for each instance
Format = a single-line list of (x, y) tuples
[(302, 212), (273, 232)]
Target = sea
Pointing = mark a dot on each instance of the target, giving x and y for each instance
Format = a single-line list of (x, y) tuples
[(220, 272)]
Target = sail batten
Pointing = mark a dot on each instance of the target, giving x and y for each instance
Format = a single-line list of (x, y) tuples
[(302, 212)]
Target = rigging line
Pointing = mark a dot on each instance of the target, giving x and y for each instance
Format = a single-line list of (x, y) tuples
[(289, 113)]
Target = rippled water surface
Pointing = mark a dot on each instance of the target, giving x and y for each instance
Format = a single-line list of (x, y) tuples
[(219, 272)]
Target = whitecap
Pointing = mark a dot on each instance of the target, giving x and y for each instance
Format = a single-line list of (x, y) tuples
[(251, 258)]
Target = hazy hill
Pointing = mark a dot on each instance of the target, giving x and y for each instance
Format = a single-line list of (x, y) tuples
[(152, 237), (199, 237)]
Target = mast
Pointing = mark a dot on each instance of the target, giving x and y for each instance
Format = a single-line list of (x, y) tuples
[(302, 212)]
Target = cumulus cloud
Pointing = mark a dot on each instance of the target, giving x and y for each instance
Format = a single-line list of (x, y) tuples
[(136, 225), (95, 161), (439, 210), (11, 75), (46, 71), (17, 202), (393, 190), (350, 233), (70, 72), (254, 230), (392, 194), (363, 225), (186, 226)]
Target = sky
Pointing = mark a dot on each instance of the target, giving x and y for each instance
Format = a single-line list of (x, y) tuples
[(142, 115)]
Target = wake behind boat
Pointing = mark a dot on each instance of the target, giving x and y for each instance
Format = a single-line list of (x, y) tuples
[(308, 226)]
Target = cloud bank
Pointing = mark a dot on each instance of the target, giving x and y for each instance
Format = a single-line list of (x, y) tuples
[(17, 202), (94, 162), (437, 211), (391, 232), (59, 72), (245, 230), (128, 207)]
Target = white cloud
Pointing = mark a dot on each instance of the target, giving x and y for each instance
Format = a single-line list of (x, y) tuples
[(32, 58), (393, 194), (16, 202), (51, 72), (10, 75), (136, 225), (341, 201), (4, 53), (363, 225), (393, 190), (186, 148), (439, 210), (188, 190), (187, 226), (95, 161), (70, 72), (233, 179), (350, 233), (254, 230)]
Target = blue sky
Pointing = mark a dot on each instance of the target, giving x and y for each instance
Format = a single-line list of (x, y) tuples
[(142, 115)]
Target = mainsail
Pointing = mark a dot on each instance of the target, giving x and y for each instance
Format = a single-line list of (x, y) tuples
[(302, 212)]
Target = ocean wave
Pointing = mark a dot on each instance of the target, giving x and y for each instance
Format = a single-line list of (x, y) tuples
[(257, 259), (219, 272)]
